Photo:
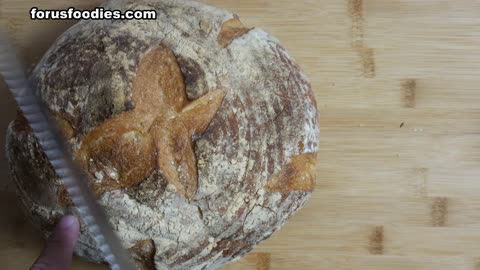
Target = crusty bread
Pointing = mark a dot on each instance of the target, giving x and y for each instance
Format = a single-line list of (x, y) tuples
[(199, 134)]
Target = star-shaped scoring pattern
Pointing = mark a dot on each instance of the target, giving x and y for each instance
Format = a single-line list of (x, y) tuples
[(158, 133)]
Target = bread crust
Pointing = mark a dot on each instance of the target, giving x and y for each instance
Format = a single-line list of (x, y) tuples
[(264, 127)]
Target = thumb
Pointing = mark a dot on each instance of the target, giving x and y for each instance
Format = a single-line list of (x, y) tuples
[(58, 251)]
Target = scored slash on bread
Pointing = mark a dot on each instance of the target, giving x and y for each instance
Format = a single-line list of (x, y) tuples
[(158, 133), (231, 30), (297, 175)]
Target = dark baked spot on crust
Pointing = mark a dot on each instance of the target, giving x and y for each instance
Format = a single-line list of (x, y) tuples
[(143, 253), (129, 105), (194, 76), (200, 212), (148, 191), (20, 124)]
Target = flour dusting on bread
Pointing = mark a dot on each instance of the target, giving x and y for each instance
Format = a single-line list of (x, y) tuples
[(247, 155)]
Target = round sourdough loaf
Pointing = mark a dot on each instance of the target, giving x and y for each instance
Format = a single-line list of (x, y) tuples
[(199, 134)]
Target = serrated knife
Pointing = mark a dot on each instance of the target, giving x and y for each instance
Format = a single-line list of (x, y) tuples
[(69, 173)]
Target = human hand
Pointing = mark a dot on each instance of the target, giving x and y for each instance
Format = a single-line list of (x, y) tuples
[(58, 251)]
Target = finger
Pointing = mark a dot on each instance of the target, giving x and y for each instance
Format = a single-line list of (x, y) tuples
[(58, 251)]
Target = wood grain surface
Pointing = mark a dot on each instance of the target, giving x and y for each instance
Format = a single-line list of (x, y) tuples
[(397, 83)]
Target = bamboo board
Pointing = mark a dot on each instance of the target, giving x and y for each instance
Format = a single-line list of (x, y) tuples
[(397, 84)]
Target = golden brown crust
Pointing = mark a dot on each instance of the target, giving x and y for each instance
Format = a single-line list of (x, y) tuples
[(297, 175), (174, 141), (158, 133), (176, 157), (159, 86), (198, 114), (231, 30), (119, 153)]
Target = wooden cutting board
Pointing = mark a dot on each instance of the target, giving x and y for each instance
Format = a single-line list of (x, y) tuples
[(398, 86)]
